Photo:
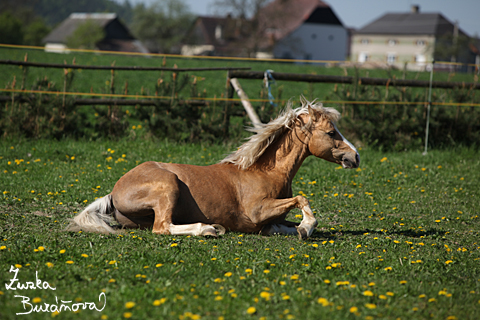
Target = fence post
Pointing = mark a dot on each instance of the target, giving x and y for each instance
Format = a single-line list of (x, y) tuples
[(246, 103), (428, 109)]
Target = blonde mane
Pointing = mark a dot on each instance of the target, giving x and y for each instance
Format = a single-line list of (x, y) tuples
[(249, 152)]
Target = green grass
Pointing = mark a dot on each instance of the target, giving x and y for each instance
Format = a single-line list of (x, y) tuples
[(397, 238), (213, 81)]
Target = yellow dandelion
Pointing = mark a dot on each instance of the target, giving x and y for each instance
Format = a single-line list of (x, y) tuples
[(368, 293), (403, 282), (324, 302), (112, 262), (69, 262), (49, 264), (129, 304), (84, 255), (37, 300), (251, 310), (353, 309), (228, 274), (370, 305), (127, 315), (18, 266)]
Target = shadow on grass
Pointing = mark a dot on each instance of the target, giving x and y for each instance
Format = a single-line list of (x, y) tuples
[(327, 235)]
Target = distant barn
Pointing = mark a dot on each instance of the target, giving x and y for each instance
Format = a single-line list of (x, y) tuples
[(117, 36)]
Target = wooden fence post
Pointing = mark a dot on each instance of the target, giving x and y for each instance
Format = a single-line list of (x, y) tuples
[(246, 103)]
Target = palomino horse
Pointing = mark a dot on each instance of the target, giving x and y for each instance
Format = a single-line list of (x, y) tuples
[(249, 191)]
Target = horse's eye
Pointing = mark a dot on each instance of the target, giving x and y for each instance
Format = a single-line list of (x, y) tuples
[(331, 133)]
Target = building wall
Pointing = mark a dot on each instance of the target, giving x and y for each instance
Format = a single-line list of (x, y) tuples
[(314, 42), (394, 50)]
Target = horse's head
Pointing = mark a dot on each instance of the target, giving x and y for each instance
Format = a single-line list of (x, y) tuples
[(326, 141)]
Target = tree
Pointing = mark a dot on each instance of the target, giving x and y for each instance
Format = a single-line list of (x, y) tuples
[(11, 29), (35, 32), (162, 25), (86, 36)]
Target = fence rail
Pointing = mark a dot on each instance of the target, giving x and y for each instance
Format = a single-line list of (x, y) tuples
[(134, 68), (350, 80)]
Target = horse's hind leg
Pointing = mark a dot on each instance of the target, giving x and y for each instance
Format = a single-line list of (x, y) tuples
[(167, 203)]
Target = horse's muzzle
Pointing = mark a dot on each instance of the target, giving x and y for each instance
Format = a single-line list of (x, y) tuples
[(351, 161)]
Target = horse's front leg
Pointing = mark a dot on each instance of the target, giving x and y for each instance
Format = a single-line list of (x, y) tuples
[(276, 208)]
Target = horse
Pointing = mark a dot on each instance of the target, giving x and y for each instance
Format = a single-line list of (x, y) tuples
[(249, 191)]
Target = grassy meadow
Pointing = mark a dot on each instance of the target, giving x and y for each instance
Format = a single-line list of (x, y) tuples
[(212, 82), (398, 238)]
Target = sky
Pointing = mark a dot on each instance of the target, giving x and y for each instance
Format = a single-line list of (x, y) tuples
[(358, 13)]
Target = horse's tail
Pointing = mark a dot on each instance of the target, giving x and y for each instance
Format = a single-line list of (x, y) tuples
[(96, 217)]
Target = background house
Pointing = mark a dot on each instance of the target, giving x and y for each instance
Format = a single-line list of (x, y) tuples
[(303, 29), (411, 38), (117, 36), (219, 36), (300, 29)]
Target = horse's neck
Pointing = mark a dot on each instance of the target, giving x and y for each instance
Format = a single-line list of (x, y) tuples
[(285, 156)]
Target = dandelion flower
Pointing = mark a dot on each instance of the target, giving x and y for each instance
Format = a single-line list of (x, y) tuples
[(127, 315), (37, 300), (69, 262), (371, 305), (368, 293), (129, 304), (353, 309), (324, 302), (251, 310)]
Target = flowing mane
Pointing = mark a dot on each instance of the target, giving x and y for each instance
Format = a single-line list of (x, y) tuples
[(249, 152)]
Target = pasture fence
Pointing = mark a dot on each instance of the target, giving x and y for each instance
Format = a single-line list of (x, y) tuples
[(196, 108)]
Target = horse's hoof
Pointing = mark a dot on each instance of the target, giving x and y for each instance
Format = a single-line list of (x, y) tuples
[(302, 233), (220, 229), (210, 233)]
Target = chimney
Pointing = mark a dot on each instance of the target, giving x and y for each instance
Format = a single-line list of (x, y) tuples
[(415, 8)]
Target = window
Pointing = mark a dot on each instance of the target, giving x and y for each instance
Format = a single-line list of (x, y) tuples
[(391, 58), (364, 41), (218, 32), (363, 57), (420, 59), (420, 43), (392, 42)]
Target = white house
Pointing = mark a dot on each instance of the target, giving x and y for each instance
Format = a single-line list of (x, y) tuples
[(305, 30)]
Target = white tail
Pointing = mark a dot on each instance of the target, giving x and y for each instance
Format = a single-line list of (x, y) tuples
[(95, 218)]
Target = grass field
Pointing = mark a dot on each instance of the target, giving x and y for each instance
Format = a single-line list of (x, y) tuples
[(398, 238), (212, 81)]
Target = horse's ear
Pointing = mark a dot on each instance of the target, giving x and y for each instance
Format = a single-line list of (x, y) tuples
[(312, 114)]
